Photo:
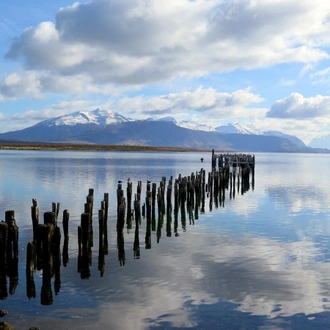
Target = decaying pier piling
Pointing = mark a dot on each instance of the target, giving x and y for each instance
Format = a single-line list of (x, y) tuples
[(166, 203)]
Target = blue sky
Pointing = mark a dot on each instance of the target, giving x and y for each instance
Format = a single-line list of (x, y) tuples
[(262, 63)]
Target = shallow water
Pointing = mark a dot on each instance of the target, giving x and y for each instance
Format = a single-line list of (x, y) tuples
[(260, 261)]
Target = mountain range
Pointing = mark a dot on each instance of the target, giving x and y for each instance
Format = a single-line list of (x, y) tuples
[(111, 128)]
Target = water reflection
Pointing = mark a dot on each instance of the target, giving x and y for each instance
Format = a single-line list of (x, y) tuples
[(249, 261), (190, 195)]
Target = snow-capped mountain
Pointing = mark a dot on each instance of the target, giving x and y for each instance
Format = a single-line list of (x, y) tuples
[(98, 117), (106, 127), (321, 142), (292, 138), (189, 124), (236, 128)]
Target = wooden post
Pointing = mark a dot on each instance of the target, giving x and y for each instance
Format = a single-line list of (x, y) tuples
[(35, 217), (12, 242), (56, 210), (120, 234), (66, 216), (90, 199)]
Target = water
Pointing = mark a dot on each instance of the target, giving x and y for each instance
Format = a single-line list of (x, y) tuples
[(261, 261)]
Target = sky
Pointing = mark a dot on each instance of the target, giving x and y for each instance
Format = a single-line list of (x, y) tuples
[(262, 63)]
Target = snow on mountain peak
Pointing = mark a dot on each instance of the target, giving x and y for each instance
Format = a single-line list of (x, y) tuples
[(195, 126), (236, 128), (97, 116)]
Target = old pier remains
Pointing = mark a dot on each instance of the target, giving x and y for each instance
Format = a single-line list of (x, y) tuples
[(182, 198)]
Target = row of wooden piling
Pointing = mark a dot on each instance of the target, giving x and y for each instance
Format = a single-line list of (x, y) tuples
[(186, 195)]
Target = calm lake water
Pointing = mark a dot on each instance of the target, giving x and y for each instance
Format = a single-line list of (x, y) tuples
[(260, 261)]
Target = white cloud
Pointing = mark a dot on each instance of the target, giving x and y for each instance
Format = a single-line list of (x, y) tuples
[(36, 84), (126, 43), (298, 107), (20, 84), (208, 102), (321, 77), (31, 117), (287, 83)]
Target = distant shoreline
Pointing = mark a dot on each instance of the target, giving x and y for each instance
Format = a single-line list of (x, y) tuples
[(90, 147)]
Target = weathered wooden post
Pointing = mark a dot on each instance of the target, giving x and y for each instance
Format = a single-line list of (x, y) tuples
[(149, 201), (214, 161), (169, 212), (120, 233), (84, 245), (101, 262), (90, 199), (12, 242), (137, 208), (176, 196), (160, 203), (56, 210), (106, 206), (129, 205), (148, 204), (65, 223), (50, 217), (153, 194), (46, 233), (85, 225), (230, 185), (35, 217), (169, 199)]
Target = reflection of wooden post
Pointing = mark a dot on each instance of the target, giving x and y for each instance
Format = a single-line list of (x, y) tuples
[(46, 233), (3, 286), (3, 245), (136, 246), (65, 252), (46, 295), (85, 231), (13, 275), (101, 240), (31, 254), (56, 250)]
